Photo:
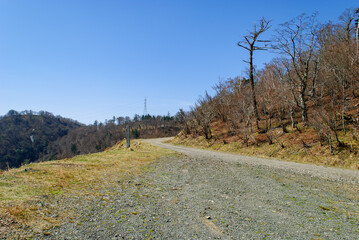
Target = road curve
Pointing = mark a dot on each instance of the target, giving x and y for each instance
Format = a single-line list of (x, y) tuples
[(330, 173)]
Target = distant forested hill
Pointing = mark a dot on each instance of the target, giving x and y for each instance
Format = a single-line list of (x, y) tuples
[(99, 136), (24, 136), (28, 136)]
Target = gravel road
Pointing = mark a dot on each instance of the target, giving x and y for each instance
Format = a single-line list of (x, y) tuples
[(211, 195)]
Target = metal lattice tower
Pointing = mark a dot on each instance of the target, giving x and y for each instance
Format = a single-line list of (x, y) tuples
[(145, 108)]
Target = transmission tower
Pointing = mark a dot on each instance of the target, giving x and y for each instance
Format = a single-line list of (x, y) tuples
[(145, 108)]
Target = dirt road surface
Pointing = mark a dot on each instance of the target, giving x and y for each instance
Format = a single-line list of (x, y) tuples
[(212, 195)]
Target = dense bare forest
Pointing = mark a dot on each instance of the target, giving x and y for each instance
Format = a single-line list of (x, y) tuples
[(30, 136), (309, 90)]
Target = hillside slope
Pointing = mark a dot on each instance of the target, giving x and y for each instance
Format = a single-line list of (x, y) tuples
[(272, 137), (25, 136)]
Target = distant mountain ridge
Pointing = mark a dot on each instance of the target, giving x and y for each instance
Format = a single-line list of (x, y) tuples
[(25, 136)]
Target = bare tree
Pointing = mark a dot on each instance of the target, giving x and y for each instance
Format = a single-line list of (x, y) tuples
[(221, 101), (250, 44), (297, 40), (347, 20), (273, 92), (185, 118), (285, 101), (325, 121), (348, 28), (242, 115), (339, 60), (224, 103), (203, 114)]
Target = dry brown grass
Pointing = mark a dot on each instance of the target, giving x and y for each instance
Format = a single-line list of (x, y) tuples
[(22, 190)]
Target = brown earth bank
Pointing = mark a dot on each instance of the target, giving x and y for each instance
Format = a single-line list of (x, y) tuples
[(303, 146)]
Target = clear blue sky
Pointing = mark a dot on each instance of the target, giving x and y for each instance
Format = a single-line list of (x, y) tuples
[(91, 60)]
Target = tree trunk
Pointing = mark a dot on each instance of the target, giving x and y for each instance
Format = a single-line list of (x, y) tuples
[(253, 93), (330, 144), (282, 125), (292, 118), (303, 106)]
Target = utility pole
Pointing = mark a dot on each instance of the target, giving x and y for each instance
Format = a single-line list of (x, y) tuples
[(128, 136)]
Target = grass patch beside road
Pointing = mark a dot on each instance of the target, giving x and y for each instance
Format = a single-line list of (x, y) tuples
[(23, 190)]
